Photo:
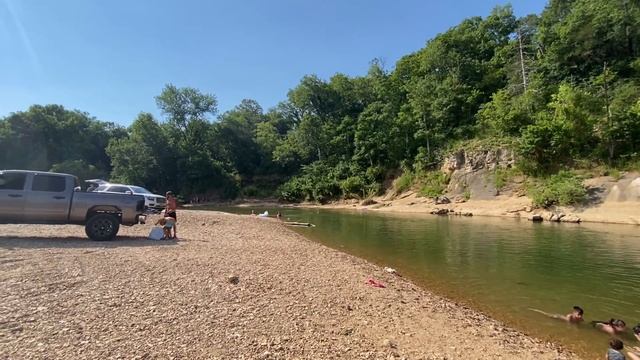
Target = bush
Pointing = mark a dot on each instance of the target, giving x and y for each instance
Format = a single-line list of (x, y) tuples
[(403, 183), (250, 191), (563, 188), (295, 190), (353, 186), (503, 176), (433, 183)]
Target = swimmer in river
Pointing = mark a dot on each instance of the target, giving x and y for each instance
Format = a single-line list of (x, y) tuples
[(612, 327), (574, 317), (634, 354)]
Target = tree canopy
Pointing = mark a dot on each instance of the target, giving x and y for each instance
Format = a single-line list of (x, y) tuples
[(563, 86)]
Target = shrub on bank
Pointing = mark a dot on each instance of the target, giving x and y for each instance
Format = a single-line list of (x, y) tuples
[(403, 183), (433, 183), (563, 188)]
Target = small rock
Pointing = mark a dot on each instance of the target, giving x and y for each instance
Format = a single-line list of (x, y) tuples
[(571, 219), (442, 200), (536, 218), (467, 214), (233, 279), (390, 270), (439, 211), (367, 202), (459, 199), (388, 343)]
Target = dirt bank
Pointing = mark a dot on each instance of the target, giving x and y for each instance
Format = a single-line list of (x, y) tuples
[(62, 296)]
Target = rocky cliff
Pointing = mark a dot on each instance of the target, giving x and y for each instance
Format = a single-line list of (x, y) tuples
[(472, 172)]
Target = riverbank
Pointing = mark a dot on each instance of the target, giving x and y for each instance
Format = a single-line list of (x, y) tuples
[(519, 207), (64, 296)]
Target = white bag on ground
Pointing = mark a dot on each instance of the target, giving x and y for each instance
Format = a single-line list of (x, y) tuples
[(156, 233)]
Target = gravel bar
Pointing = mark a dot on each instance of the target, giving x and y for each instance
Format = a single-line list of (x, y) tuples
[(232, 287)]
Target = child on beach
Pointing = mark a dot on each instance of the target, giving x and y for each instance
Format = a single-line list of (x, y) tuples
[(170, 211)]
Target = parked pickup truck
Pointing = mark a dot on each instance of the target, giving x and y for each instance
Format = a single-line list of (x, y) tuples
[(31, 197)]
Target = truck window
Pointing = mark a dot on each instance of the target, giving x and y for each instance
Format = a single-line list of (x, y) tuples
[(119, 189), (50, 183), (12, 181)]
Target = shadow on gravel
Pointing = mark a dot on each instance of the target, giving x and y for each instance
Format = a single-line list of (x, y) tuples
[(31, 242)]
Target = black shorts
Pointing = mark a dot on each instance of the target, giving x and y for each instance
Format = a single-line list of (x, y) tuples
[(172, 214)]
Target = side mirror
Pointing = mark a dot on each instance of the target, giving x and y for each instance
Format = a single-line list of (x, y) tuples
[(128, 192), (77, 189)]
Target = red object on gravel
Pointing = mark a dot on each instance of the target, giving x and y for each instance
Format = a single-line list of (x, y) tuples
[(375, 283)]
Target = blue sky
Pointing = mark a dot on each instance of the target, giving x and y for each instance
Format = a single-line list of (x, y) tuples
[(110, 58)]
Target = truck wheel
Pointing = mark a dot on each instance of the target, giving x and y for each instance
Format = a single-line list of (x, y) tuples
[(102, 227)]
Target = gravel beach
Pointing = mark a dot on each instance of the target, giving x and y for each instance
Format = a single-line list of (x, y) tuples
[(232, 287)]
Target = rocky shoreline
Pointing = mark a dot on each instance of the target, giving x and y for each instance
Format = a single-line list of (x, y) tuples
[(233, 287)]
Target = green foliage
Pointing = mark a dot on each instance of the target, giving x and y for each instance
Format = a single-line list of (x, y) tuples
[(503, 176), (403, 183), (80, 169), (432, 183), (466, 194), (354, 186), (562, 88), (563, 188)]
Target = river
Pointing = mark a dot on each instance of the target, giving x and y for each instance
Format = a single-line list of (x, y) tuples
[(503, 267)]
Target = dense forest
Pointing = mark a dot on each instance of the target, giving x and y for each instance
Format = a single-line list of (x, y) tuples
[(561, 88)]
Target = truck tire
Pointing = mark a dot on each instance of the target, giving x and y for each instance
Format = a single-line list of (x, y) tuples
[(102, 227)]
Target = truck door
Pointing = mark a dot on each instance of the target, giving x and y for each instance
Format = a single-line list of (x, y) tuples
[(12, 196), (49, 199)]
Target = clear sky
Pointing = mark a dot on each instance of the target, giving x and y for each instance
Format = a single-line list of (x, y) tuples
[(110, 58)]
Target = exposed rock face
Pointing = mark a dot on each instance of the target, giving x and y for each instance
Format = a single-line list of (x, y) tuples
[(470, 171)]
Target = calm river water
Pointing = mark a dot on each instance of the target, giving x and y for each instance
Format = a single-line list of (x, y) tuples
[(503, 267)]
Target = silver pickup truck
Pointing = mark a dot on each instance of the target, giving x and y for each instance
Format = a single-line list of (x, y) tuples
[(31, 197)]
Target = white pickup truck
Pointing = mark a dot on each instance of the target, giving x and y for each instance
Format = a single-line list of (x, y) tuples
[(32, 197)]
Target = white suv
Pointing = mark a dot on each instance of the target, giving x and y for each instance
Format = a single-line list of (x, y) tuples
[(151, 200)]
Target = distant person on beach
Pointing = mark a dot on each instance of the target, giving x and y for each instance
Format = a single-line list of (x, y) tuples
[(636, 331), (615, 350), (574, 317), (170, 211), (612, 327), (279, 216)]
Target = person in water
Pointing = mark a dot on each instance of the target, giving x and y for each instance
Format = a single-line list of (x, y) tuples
[(612, 327), (615, 350), (574, 317), (635, 353)]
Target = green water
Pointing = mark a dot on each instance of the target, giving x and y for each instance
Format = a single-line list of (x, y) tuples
[(503, 267)]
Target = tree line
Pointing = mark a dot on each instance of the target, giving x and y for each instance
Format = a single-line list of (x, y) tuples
[(562, 88)]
